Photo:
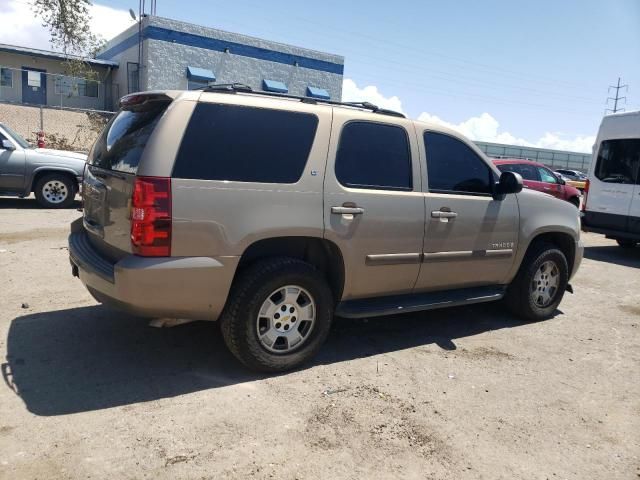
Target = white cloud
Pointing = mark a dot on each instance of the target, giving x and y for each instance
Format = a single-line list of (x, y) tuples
[(352, 93), (483, 127), (20, 26)]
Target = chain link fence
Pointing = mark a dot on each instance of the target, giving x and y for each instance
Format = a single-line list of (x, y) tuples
[(64, 128)]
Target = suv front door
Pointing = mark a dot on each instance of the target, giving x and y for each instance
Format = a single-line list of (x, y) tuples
[(373, 208), (470, 237)]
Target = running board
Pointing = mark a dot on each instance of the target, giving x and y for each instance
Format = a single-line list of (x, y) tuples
[(380, 306)]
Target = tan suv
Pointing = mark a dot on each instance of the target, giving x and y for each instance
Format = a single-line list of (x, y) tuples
[(275, 213)]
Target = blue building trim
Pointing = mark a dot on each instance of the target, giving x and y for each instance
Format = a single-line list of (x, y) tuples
[(166, 35), (274, 86)]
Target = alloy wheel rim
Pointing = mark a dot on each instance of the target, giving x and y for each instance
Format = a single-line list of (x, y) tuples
[(544, 285), (55, 191), (286, 319)]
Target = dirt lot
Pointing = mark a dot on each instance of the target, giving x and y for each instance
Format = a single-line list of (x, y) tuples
[(465, 393)]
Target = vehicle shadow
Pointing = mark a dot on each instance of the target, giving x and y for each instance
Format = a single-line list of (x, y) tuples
[(29, 203), (626, 257), (91, 358)]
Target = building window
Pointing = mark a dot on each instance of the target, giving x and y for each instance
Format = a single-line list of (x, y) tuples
[(63, 86), (6, 77), (133, 77), (195, 85), (198, 78), (90, 89), (75, 87)]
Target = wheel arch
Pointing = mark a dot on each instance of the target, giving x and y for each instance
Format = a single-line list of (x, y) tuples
[(564, 241), (45, 170), (321, 253)]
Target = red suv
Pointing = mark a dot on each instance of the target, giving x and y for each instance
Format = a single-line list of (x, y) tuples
[(538, 177)]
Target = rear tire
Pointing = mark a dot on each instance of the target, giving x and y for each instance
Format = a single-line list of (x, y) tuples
[(55, 190), (624, 243), (540, 284), (268, 332)]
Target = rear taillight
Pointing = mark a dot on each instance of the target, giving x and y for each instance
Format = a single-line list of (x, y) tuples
[(151, 217), (585, 193)]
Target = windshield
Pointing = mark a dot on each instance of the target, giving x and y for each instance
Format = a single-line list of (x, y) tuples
[(16, 138)]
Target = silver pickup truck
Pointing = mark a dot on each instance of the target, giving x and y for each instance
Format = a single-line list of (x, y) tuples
[(53, 175)]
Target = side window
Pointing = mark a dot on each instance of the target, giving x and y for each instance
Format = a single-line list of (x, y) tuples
[(245, 144), (453, 167), (619, 161), (374, 155), (546, 176), (528, 172)]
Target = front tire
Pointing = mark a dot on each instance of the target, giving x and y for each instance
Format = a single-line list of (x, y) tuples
[(278, 315), (55, 191), (540, 283)]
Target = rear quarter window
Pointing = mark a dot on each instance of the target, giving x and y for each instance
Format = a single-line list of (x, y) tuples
[(123, 140), (245, 144)]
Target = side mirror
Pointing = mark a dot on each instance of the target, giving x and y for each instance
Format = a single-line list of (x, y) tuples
[(510, 182), (7, 145)]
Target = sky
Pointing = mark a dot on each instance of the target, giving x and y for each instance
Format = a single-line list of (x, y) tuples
[(527, 73)]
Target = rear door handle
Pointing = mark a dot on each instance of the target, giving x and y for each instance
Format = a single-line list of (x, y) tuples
[(441, 214), (347, 210)]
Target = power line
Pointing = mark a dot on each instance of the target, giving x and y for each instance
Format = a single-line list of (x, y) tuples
[(616, 98)]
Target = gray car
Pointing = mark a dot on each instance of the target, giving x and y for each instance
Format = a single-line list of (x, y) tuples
[(53, 175), (272, 213)]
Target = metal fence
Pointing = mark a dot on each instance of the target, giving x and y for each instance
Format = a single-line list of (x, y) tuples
[(32, 87), (550, 158), (64, 128)]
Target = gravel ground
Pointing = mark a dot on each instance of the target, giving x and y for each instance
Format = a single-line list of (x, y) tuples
[(465, 393)]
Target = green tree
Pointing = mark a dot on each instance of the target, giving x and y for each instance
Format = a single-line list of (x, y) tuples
[(69, 23)]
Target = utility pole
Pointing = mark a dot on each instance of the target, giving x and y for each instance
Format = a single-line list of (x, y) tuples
[(616, 98)]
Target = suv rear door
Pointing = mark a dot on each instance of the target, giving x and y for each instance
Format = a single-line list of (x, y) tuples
[(111, 171), (470, 237), (373, 208)]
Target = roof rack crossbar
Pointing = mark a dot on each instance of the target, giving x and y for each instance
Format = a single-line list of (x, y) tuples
[(242, 88)]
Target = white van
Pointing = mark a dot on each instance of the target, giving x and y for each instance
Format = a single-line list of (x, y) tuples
[(612, 194)]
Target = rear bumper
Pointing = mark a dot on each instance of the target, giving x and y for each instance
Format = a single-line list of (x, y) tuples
[(175, 287)]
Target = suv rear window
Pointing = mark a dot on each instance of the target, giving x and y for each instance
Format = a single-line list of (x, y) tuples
[(619, 161), (245, 144), (122, 142)]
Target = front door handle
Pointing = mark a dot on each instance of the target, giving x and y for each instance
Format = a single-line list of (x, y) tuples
[(347, 210), (441, 214)]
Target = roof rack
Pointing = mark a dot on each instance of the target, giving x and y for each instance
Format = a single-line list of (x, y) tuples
[(242, 88)]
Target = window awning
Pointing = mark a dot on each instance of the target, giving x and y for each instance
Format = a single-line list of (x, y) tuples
[(200, 74), (317, 92), (274, 86)]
